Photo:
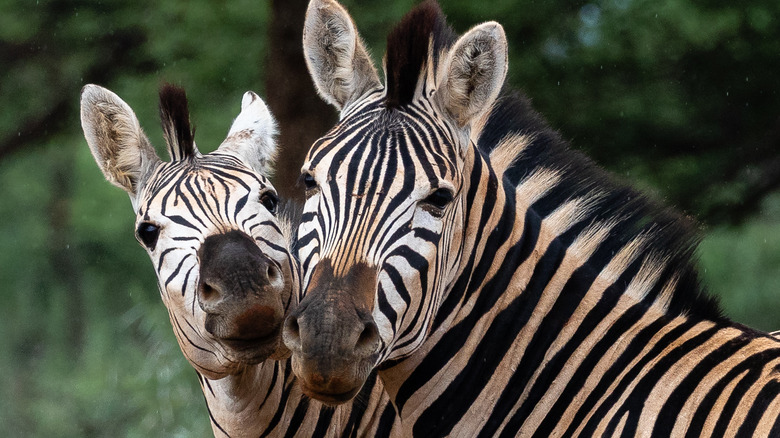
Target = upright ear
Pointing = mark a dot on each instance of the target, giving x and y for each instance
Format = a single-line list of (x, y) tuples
[(336, 56), (115, 138), (251, 136), (473, 73)]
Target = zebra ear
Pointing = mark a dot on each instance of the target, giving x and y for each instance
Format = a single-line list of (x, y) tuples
[(335, 54), (120, 147), (251, 137), (474, 73)]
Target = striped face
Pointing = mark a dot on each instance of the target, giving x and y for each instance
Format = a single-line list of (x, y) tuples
[(383, 225), (383, 190), (381, 228), (208, 223), (224, 271)]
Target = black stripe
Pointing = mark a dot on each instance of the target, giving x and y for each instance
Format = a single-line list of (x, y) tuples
[(386, 421), (454, 402), (456, 295), (733, 401), (297, 419), (420, 264), (635, 401), (181, 221), (358, 410), (271, 386), (680, 395), (549, 331), (176, 271), (619, 366), (765, 397), (324, 420), (282, 403), (583, 372)]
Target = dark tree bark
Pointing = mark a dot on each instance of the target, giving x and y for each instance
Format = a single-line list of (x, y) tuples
[(302, 115)]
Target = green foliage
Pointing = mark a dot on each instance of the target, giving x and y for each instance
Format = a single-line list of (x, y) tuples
[(676, 96), (108, 366), (87, 345), (741, 265)]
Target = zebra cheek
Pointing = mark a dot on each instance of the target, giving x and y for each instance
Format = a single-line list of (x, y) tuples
[(424, 220)]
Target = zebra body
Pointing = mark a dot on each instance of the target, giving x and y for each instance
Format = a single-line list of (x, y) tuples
[(224, 268), (501, 284)]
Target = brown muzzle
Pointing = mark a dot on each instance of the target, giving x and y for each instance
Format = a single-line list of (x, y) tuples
[(241, 290), (332, 334)]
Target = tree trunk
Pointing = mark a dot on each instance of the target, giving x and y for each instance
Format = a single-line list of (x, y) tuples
[(302, 115)]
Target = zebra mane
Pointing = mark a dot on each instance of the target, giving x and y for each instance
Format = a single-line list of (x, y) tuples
[(669, 238), (421, 30), (175, 119)]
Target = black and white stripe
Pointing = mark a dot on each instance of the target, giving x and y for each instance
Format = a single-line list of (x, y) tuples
[(544, 300), (180, 205)]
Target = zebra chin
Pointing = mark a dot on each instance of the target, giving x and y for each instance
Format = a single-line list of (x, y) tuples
[(331, 383), (251, 337)]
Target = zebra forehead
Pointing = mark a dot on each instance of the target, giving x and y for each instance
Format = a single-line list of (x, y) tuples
[(383, 135), (200, 174)]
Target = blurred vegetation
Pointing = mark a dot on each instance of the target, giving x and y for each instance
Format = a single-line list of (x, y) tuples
[(678, 97)]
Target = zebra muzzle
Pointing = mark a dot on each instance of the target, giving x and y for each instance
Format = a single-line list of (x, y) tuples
[(241, 291), (332, 334)]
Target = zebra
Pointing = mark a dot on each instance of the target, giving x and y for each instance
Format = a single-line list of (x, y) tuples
[(220, 244), (500, 283)]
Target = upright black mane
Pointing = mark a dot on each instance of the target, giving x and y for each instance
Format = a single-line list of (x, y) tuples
[(175, 119), (670, 236), (408, 50)]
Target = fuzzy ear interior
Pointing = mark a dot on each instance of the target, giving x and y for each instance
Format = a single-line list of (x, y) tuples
[(252, 135), (474, 72), (121, 149), (335, 54)]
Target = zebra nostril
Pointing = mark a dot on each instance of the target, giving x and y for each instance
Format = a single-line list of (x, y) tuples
[(368, 341), (208, 293), (291, 334), (274, 275)]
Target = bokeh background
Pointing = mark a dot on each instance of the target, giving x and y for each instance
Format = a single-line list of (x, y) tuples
[(678, 97)]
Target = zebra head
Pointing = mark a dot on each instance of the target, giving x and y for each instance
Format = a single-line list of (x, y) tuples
[(208, 222), (387, 190)]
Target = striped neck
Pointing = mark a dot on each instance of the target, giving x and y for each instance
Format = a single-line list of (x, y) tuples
[(245, 404), (528, 286), (265, 400)]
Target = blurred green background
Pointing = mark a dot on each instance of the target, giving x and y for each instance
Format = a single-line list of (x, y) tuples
[(678, 97)]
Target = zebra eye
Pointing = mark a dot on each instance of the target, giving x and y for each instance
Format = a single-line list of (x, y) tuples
[(308, 181), (147, 233), (439, 199), (270, 201)]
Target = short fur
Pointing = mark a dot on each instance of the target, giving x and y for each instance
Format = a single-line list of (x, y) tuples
[(544, 299), (215, 237)]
